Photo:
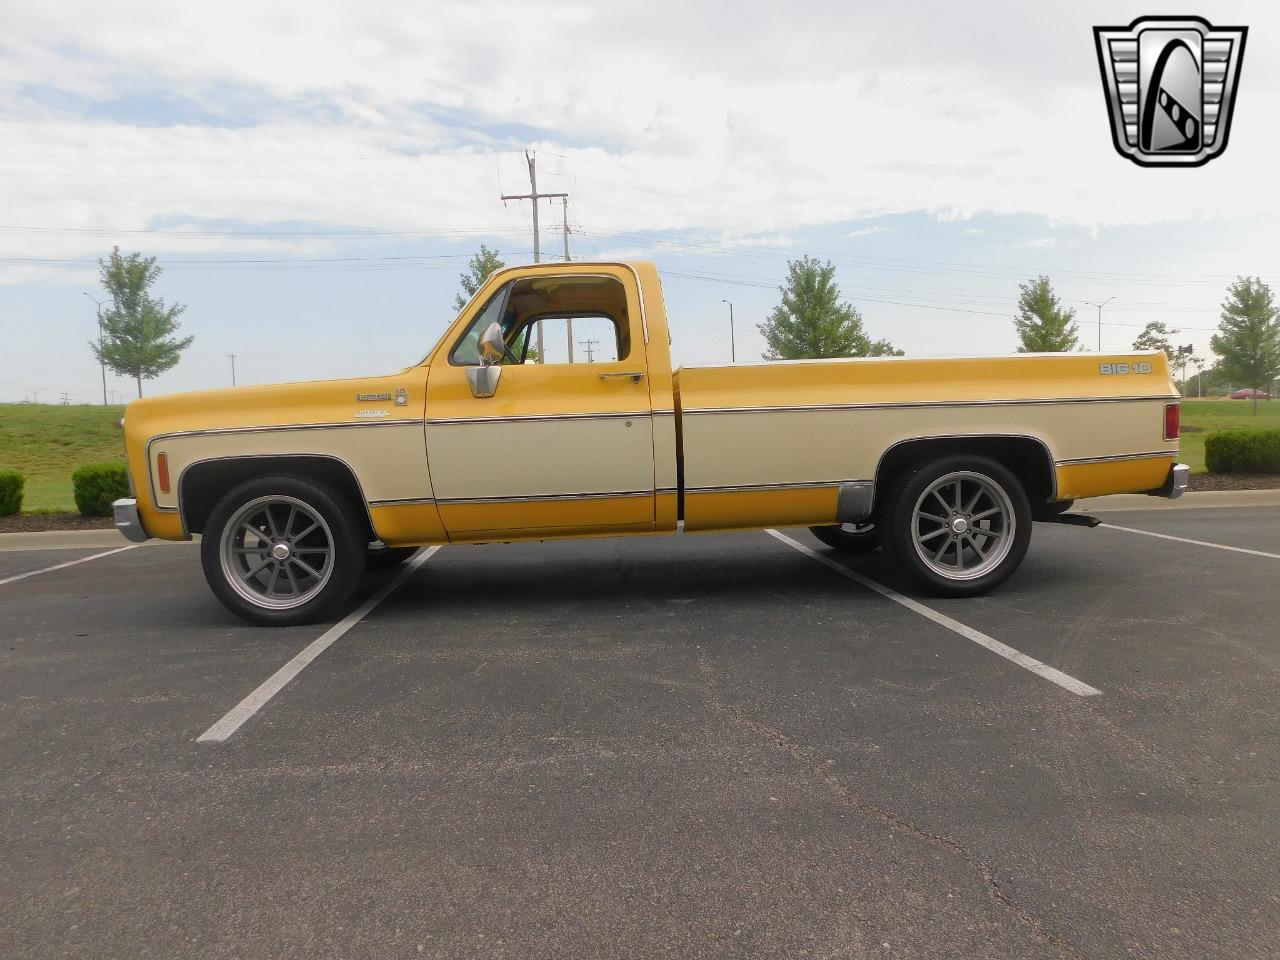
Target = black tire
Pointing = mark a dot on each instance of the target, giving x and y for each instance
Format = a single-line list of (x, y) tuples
[(384, 557), (1004, 552), (849, 537), (335, 550)]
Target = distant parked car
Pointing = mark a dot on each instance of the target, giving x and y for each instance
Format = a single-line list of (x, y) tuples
[(1248, 393)]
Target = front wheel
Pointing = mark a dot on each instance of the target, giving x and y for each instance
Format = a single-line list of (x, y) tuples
[(960, 525), (282, 550)]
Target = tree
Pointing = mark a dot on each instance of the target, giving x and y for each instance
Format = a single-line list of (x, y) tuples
[(479, 269), (1043, 325), (1155, 336), (1248, 339), (811, 322), (138, 330)]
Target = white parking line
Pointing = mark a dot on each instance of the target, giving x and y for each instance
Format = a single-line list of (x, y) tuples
[(69, 563), (255, 701), (1198, 543), (1052, 674)]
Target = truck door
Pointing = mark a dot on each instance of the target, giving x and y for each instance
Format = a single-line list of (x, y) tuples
[(564, 445)]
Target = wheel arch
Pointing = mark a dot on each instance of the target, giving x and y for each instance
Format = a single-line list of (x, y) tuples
[(202, 483), (1026, 456)]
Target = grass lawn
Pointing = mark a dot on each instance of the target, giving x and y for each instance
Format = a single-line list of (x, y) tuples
[(1212, 415), (46, 444)]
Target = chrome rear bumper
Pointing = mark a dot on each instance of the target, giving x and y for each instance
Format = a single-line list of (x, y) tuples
[(1176, 485), (125, 512)]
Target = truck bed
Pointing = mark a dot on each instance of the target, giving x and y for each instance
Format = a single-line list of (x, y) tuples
[(764, 441)]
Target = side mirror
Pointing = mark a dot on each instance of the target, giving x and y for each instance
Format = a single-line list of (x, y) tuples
[(492, 347), (484, 380)]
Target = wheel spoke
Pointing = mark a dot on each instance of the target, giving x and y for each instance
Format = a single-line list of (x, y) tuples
[(930, 536), (935, 519), (271, 522), (938, 496), (959, 494), (986, 532), (946, 544), (288, 524), (254, 530), (275, 575), (976, 549), (307, 568), (293, 581), (258, 569), (298, 536), (986, 513), (968, 508)]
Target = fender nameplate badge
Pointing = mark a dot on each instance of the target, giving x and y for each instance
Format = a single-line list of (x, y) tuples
[(373, 397)]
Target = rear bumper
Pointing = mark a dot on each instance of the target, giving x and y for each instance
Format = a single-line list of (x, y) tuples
[(125, 512), (1176, 484)]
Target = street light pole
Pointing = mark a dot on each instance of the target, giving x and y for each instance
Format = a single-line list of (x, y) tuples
[(733, 348), (100, 336), (1100, 306)]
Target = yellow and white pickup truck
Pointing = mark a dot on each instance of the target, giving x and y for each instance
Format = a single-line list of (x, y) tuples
[(943, 462)]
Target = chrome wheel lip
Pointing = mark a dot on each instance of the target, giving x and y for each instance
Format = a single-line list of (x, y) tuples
[(244, 583), (959, 524)]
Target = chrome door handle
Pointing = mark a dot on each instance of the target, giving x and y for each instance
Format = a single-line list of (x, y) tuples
[(636, 376)]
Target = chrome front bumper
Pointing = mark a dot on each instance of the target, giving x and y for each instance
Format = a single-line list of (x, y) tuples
[(1176, 485), (127, 522)]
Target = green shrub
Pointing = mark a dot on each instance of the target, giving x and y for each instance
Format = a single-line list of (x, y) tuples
[(11, 484), (96, 485), (1243, 451)]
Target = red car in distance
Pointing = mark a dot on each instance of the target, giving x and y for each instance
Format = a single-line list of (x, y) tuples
[(1248, 393)]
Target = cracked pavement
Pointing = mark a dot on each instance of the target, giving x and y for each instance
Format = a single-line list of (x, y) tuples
[(707, 746)]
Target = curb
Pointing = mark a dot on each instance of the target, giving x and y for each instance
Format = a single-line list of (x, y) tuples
[(1188, 501), (70, 540)]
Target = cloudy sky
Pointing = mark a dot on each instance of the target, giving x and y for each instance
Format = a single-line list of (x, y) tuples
[(313, 176)]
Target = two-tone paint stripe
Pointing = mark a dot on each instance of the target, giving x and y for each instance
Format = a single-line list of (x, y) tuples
[(907, 404)]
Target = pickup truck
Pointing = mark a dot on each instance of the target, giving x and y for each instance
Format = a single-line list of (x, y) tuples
[(550, 409)]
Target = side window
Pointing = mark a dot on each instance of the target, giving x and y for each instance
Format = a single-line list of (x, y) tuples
[(553, 319), (578, 339), (466, 353)]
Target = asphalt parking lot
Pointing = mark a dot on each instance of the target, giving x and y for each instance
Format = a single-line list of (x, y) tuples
[(689, 747)]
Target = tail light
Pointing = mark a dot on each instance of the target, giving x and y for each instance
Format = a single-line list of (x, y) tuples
[(1172, 421), (162, 472)]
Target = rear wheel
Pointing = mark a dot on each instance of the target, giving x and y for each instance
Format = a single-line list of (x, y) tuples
[(282, 550), (960, 525), (849, 537)]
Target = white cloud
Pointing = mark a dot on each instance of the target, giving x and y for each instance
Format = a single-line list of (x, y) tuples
[(387, 117)]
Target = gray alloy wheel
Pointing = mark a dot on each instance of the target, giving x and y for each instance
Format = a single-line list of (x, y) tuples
[(963, 525), (277, 552), (283, 549), (960, 525)]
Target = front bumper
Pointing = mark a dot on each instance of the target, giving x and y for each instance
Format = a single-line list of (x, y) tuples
[(1176, 485), (125, 512)]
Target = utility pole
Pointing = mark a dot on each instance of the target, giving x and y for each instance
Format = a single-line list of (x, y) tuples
[(66, 398), (1100, 306), (233, 368), (534, 196), (590, 347), (1184, 352), (100, 337), (564, 212), (733, 349)]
